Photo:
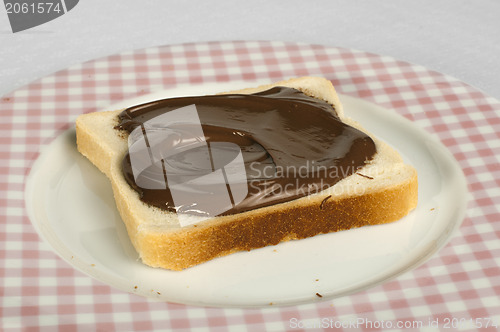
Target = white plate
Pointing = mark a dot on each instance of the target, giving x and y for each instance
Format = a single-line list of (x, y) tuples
[(72, 207)]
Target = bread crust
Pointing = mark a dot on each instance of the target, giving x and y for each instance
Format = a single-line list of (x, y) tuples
[(387, 196)]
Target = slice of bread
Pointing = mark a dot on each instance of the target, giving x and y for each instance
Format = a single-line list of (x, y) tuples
[(383, 191)]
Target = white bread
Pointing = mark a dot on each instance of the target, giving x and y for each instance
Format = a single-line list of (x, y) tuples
[(383, 191)]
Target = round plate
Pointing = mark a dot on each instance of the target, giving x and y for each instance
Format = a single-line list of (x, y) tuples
[(71, 205)]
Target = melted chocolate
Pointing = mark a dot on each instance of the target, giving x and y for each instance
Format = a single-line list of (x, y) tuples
[(292, 145)]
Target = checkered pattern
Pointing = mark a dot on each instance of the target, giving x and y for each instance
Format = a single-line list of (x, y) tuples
[(462, 281)]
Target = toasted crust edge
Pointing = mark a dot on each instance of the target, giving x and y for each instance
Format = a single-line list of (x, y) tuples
[(189, 247)]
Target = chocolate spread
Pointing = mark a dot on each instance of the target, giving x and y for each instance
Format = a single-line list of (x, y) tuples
[(292, 145)]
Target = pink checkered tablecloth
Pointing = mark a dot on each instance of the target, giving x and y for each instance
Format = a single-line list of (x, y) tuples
[(39, 291)]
